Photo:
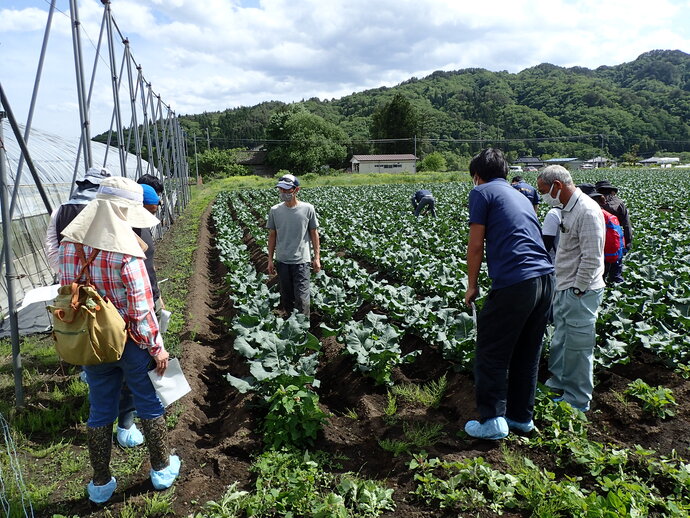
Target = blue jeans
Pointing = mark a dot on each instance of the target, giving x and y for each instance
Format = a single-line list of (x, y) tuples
[(510, 329), (571, 360), (105, 385)]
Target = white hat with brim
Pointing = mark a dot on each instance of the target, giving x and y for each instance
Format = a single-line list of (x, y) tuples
[(106, 223)]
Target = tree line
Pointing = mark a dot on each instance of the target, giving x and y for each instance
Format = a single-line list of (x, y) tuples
[(625, 112)]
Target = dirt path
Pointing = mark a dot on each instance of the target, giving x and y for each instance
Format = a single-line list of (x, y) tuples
[(213, 437)]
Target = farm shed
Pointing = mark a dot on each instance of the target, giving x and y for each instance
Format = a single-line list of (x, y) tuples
[(530, 161), (568, 163), (384, 163), (660, 160)]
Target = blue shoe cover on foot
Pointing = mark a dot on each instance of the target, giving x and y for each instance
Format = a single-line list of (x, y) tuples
[(520, 427), (164, 478), (494, 428), (129, 437), (101, 494)]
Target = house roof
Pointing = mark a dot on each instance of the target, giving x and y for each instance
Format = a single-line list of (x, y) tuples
[(560, 160), (659, 160), (598, 159), (382, 158), (529, 160)]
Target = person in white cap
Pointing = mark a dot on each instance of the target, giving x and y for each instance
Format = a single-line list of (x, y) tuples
[(65, 213), (119, 273), (128, 435), (293, 226)]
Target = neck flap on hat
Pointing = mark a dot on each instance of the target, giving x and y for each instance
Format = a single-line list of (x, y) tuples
[(103, 224)]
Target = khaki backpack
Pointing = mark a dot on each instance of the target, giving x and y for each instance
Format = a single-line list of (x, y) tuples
[(87, 328)]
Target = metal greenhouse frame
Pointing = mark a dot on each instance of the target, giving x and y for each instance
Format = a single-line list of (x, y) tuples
[(145, 137)]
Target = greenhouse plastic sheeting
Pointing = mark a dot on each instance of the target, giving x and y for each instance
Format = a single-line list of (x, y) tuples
[(54, 157)]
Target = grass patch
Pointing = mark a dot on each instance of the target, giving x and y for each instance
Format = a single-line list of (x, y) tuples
[(428, 395)]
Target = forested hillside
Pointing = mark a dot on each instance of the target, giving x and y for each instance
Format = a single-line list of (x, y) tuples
[(631, 110)]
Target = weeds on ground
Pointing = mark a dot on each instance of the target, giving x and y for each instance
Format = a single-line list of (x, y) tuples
[(656, 401), (292, 483), (428, 395)]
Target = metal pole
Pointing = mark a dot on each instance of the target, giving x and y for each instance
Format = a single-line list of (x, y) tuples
[(34, 96), (116, 95), (133, 104), (20, 140), (147, 130), (196, 161), (9, 274), (79, 68), (73, 185)]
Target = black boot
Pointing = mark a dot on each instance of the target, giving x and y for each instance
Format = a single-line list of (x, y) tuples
[(100, 443)]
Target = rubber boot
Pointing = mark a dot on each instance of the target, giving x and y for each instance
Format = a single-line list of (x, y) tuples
[(100, 443), (164, 467)]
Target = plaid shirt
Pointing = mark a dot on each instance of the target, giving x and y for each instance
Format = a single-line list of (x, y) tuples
[(580, 253), (122, 279)]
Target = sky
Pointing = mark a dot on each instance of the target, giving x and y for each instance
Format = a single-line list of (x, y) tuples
[(210, 55)]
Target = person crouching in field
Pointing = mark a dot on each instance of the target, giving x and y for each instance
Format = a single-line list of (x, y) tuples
[(292, 227), (511, 324)]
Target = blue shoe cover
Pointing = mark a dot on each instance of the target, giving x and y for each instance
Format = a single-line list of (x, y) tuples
[(101, 494), (520, 427), (129, 437), (494, 428), (164, 478)]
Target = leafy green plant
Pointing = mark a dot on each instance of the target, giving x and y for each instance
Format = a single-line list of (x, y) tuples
[(375, 345), (395, 446), (657, 401), (366, 497), (294, 418), (276, 352)]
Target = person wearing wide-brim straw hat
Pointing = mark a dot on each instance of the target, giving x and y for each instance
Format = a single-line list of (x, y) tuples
[(118, 273), (614, 205)]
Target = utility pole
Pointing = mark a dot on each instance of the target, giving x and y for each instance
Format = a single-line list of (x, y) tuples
[(481, 142), (208, 140)]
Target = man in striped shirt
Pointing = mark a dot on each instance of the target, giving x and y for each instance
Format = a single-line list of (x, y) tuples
[(579, 287)]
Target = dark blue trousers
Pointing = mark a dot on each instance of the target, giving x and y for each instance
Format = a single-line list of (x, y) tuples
[(510, 329)]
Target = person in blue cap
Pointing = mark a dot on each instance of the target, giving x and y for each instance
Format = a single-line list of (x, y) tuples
[(292, 227)]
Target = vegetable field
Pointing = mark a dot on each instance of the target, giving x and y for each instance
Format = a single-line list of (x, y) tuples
[(380, 377), (359, 411)]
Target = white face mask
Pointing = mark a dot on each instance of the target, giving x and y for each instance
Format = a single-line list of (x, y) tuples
[(286, 196), (475, 180), (552, 201)]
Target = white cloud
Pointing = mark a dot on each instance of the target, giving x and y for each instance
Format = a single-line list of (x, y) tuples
[(214, 54)]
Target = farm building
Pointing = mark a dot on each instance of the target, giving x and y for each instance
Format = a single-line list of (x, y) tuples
[(597, 162), (530, 161), (660, 160), (568, 163), (384, 163)]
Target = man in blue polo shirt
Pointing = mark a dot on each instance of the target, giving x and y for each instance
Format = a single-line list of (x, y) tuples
[(511, 324)]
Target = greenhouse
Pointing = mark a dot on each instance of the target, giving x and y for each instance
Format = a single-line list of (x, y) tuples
[(57, 163)]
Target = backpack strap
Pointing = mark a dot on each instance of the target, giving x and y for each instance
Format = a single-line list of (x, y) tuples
[(87, 262), (84, 270)]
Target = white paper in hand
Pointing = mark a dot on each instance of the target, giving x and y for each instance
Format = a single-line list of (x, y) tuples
[(172, 385), (474, 314), (165, 320)]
